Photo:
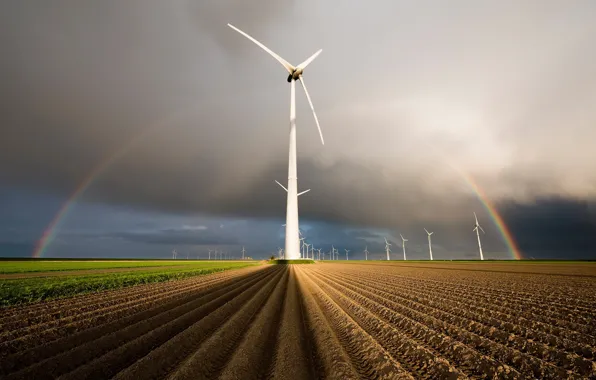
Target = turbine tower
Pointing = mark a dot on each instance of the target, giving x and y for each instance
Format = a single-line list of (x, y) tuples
[(430, 247), (366, 253), (209, 254), (476, 228), (403, 245), (243, 251), (319, 250), (387, 245), (292, 250), (347, 251), (174, 254)]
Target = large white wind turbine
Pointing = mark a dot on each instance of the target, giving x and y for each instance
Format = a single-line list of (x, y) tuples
[(387, 250), (476, 228), (403, 245), (292, 250), (430, 247), (366, 253), (243, 251), (347, 251)]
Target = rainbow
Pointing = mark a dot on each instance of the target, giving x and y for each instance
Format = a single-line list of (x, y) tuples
[(508, 239), (53, 227)]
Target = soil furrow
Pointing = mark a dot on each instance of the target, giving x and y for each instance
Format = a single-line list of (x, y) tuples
[(367, 359), (292, 354), (166, 357), (112, 350), (253, 355)]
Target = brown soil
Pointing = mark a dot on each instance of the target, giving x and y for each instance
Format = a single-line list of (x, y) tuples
[(329, 321)]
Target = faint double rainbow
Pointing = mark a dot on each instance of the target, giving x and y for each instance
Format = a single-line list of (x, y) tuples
[(53, 227)]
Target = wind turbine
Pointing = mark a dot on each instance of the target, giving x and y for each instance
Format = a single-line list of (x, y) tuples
[(209, 254), (295, 73), (174, 254), (332, 252), (430, 247), (387, 250), (476, 228), (243, 251), (366, 253), (307, 245), (347, 251), (403, 245)]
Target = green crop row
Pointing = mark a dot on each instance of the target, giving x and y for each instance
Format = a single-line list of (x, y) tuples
[(34, 289)]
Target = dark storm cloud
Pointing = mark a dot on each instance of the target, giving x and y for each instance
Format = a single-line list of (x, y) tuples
[(554, 228), (177, 237), (413, 97)]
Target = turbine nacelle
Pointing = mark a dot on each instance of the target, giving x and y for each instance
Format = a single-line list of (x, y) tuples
[(295, 75)]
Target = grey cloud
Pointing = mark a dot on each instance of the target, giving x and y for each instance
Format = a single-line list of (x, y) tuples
[(187, 116)]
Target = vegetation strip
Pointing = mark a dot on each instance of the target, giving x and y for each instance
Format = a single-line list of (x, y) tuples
[(18, 291)]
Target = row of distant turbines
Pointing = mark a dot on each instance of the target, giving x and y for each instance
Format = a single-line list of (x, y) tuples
[(217, 255), (307, 250), (477, 229)]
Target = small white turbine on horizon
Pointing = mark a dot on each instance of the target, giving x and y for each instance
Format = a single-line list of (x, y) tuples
[(387, 250), (292, 250), (243, 251), (347, 252), (403, 245), (366, 253), (476, 228), (430, 247)]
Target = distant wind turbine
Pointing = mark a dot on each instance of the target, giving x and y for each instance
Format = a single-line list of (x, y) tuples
[(347, 251), (243, 251), (319, 249), (174, 254), (430, 246), (209, 254), (403, 245), (295, 73), (476, 228), (387, 249), (366, 253)]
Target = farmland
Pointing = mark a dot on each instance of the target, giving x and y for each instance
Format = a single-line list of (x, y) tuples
[(26, 283), (324, 320)]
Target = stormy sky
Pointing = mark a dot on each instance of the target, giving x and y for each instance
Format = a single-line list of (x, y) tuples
[(187, 122)]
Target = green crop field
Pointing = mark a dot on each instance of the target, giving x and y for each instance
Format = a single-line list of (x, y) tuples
[(24, 266), (36, 288)]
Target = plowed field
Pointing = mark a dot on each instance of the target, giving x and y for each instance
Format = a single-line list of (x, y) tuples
[(336, 321)]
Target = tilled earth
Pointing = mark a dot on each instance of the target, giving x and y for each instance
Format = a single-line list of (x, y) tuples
[(336, 321)]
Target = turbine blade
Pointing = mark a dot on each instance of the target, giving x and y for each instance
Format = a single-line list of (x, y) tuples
[(426, 230), (475, 217), (312, 108), (305, 191), (475, 228), (285, 63), (481, 229), (402, 237), (308, 61), (282, 186)]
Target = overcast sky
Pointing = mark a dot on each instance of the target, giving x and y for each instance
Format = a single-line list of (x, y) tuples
[(411, 96)]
